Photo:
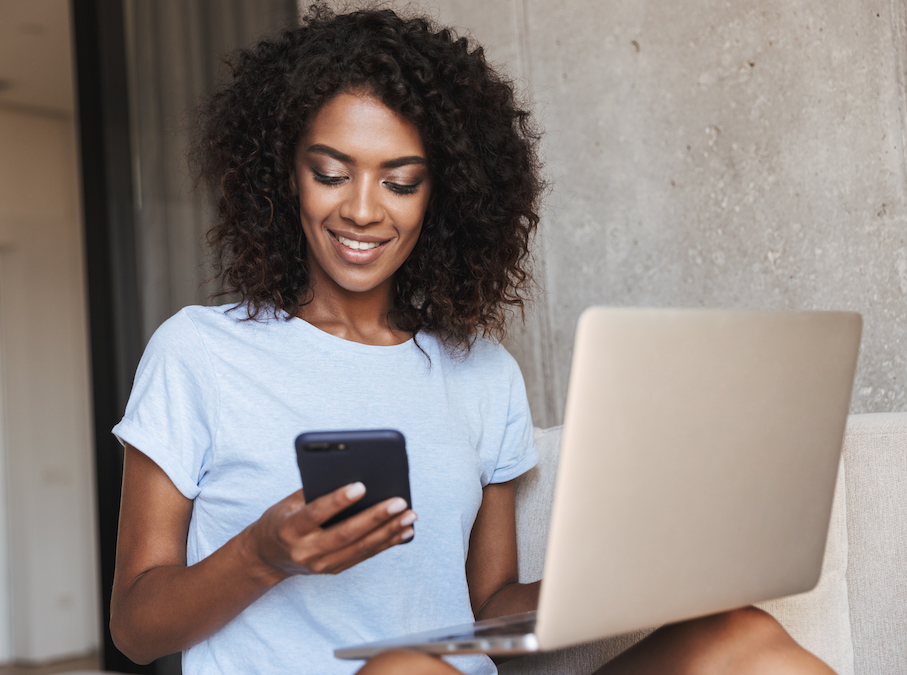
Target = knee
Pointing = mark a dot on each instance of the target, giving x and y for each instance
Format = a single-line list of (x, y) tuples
[(752, 625), (401, 662), (747, 640)]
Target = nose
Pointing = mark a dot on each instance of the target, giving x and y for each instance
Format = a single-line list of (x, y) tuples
[(362, 204)]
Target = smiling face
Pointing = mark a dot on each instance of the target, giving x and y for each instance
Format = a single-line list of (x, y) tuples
[(363, 185)]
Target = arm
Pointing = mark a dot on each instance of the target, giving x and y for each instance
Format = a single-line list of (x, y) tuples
[(160, 606), (491, 566)]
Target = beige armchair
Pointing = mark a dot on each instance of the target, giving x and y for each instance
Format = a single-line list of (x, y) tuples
[(856, 617)]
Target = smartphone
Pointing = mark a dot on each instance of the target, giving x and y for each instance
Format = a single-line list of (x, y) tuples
[(328, 460)]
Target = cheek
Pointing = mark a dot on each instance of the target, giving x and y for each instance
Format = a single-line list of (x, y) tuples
[(313, 206), (416, 215), (413, 231), (412, 239)]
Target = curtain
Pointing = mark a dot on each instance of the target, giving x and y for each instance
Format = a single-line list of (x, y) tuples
[(175, 52)]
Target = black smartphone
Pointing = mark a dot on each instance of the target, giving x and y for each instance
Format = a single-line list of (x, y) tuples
[(328, 460)]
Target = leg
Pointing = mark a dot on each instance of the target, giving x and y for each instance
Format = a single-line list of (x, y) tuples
[(745, 641), (406, 663)]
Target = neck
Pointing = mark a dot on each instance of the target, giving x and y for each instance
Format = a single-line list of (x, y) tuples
[(357, 317)]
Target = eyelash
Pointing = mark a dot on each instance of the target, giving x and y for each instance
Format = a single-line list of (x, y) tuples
[(326, 180), (333, 181)]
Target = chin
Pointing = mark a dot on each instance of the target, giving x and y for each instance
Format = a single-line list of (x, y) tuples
[(358, 286)]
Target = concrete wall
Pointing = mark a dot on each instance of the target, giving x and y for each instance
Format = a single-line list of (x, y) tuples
[(718, 154)]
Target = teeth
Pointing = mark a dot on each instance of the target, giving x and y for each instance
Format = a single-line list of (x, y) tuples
[(357, 245)]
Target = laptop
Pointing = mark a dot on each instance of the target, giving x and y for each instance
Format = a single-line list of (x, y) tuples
[(696, 474)]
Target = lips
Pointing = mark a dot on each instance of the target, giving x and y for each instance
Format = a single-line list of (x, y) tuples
[(359, 251)]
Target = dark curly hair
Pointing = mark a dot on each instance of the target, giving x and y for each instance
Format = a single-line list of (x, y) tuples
[(471, 266)]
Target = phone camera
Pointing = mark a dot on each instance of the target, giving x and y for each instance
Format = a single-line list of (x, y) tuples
[(318, 447)]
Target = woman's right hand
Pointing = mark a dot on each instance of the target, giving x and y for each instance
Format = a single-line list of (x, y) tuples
[(288, 538)]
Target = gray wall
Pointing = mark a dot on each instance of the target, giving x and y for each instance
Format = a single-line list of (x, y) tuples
[(717, 154)]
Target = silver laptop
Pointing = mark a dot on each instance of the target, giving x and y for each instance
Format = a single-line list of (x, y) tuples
[(696, 473)]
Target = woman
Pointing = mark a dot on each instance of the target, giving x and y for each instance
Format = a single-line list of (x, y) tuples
[(379, 189)]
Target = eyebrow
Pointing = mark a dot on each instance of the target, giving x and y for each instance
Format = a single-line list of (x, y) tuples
[(320, 149)]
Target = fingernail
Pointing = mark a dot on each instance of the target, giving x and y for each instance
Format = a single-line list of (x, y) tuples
[(408, 535), (355, 490), (397, 505), (408, 519)]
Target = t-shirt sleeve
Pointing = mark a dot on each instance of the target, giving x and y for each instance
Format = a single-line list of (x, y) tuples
[(171, 415), (518, 453)]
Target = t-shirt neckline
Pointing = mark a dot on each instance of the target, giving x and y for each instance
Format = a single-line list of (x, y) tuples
[(342, 343)]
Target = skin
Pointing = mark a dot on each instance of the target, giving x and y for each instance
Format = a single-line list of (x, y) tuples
[(361, 176)]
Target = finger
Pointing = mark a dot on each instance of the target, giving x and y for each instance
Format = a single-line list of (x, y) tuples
[(395, 531), (357, 526), (364, 551), (326, 507), (313, 544)]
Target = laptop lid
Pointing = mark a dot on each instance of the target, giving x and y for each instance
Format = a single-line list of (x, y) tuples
[(697, 465)]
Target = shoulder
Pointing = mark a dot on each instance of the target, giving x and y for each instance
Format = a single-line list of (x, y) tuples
[(488, 353), (486, 360), (232, 315), (205, 323)]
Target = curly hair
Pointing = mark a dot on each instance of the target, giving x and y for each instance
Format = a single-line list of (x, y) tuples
[(471, 266)]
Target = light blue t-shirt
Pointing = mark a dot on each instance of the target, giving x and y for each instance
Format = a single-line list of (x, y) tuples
[(217, 403)]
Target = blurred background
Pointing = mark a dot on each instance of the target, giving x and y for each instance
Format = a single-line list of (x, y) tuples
[(703, 153)]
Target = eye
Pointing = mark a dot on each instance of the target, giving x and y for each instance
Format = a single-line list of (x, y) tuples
[(403, 189), (327, 180)]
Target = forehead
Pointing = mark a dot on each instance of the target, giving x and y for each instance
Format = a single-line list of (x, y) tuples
[(362, 126)]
